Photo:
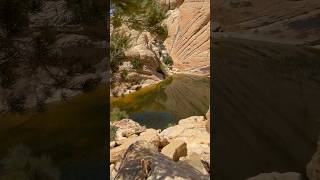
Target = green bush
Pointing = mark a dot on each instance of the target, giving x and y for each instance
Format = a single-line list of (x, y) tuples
[(141, 15), (113, 130), (116, 114), (119, 42), (170, 125), (137, 64), (167, 60)]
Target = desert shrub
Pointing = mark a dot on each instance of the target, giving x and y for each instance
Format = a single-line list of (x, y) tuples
[(167, 60), (141, 15), (119, 42), (124, 75), (116, 114), (137, 64), (170, 125), (16, 103), (113, 130)]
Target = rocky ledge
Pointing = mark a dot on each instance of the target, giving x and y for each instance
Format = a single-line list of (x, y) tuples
[(178, 152)]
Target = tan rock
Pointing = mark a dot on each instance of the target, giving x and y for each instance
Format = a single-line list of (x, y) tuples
[(150, 135), (195, 161), (113, 172), (175, 150), (126, 128), (112, 144), (163, 142), (192, 131), (170, 4), (188, 41), (142, 157)]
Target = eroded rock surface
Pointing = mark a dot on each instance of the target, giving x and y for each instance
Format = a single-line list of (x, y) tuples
[(143, 161), (187, 143), (188, 41)]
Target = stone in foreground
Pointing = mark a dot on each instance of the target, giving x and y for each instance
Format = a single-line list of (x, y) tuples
[(175, 150), (143, 161)]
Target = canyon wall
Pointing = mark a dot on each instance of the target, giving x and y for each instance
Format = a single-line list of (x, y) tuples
[(188, 41)]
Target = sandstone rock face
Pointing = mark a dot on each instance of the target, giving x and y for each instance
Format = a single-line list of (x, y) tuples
[(188, 41), (170, 4), (299, 22), (277, 176), (143, 161), (175, 150)]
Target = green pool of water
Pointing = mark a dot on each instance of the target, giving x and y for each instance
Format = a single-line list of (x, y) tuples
[(72, 133), (175, 98)]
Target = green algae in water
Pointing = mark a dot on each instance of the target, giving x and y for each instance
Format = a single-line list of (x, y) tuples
[(72, 133), (175, 98)]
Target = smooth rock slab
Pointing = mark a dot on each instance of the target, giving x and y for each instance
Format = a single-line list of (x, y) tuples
[(150, 135), (175, 150)]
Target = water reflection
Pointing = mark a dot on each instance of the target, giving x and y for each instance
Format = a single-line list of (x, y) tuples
[(158, 106)]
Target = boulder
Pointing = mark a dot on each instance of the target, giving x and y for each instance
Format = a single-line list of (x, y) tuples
[(112, 144), (127, 128), (191, 130), (143, 161), (277, 176), (195, 160), (150, 135), (175, 150)]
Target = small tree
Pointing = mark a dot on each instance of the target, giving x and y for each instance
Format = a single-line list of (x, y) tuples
[(119, 42), (113, 130)]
